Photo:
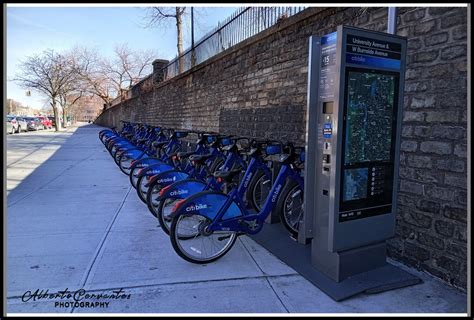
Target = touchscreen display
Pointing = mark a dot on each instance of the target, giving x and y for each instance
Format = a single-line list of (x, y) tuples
[(370, 103)]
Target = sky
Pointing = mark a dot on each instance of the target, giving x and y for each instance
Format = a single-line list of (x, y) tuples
[(31, 30)]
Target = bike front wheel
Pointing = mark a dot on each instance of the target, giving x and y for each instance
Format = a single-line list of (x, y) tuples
[(258, 190), (163, 212), (151, 198), (200, 245), (290, 207), (125, 163), (142, 189)]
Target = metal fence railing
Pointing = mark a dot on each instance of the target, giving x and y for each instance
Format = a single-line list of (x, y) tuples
[(243, 24)]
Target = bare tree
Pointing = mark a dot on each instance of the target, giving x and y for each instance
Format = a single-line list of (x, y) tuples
[(91, 73), (48, 73), (110, 78), (73, 91), (127, 67), (158, 15)]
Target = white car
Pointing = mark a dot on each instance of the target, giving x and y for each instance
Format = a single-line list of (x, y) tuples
[(22, 124), (14, 123)]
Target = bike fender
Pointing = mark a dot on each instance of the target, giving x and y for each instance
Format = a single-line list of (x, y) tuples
[(145, 162), (182, 189), (118, 140), (208, 204), (154, 169), (168, 177), (133, 153)]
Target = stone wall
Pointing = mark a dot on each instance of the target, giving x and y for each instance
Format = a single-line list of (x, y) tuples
[(258, 88)]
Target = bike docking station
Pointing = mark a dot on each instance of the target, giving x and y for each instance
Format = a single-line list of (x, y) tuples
[(355, 100)]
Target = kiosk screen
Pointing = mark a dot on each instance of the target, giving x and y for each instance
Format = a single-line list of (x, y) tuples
[(370, 98), (370, 105)]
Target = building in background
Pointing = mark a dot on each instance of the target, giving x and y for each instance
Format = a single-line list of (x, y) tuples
[(87, 108), (18, 109)]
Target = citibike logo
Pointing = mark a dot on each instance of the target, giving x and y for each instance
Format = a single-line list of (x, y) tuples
[(246, 182), (277, 191), (178, 192), (167, 180), (196, 207)]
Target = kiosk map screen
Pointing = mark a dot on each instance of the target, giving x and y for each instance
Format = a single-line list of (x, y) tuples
[(355, 186), (370, 102)]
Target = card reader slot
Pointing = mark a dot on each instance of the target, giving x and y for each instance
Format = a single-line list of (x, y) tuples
[(328, 107)]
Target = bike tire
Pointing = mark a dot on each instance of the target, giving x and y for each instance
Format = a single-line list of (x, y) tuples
[(252, 190), (288, 189), (175, 242), (142, 195)]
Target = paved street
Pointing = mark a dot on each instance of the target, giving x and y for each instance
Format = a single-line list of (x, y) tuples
[(75, 222)]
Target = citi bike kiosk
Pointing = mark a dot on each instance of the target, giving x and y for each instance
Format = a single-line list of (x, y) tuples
[(355, 99)]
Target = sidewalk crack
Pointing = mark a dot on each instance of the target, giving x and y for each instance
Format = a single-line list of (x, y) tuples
[(265, 276), (101, 245)]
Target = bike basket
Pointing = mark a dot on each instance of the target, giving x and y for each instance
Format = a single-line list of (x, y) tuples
[(211, 139), (273, 149), (226, 141), (180, 134), (302, 156)]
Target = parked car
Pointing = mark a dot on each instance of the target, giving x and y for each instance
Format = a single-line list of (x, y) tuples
[(9, 126), (53, 121), (12, 120), (47, 124), (22, 124), (34, 123)]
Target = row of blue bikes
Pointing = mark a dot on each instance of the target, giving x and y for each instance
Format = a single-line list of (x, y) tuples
[(205, 188)]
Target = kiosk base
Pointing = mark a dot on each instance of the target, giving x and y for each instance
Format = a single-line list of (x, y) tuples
[(275, 239)]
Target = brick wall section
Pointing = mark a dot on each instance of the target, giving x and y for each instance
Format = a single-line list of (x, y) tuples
[(259, 87)]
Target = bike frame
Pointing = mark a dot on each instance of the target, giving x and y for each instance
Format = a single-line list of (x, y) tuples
[(236, 195), (193, 172)]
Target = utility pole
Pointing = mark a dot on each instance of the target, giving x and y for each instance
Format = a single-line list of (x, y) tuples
[(392, 20), (193, 56)]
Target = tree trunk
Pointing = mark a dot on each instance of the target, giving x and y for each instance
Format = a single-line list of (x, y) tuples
[(65, 113), (179, 29), (56, 114)]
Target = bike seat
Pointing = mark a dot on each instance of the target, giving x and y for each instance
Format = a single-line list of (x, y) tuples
[(251, 152), (200, 158), (157, 144), (285, 158), (227, 176), (185, 154)]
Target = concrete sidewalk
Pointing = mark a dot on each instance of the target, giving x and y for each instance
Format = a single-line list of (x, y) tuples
[(75, 222)]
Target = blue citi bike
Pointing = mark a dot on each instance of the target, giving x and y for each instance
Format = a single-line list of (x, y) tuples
[(161, 200), (206, 159), (154, 141), (205, 225)]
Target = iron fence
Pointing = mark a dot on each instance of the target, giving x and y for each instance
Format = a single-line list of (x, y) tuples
[(243, 24)]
